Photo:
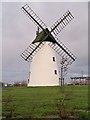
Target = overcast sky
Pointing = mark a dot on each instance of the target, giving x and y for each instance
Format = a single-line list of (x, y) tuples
[(18, 32)]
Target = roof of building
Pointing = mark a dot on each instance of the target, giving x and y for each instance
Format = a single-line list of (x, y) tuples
[(87, 78), (42, 37)]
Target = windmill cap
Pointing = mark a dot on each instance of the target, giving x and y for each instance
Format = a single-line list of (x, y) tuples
[(42, 36)]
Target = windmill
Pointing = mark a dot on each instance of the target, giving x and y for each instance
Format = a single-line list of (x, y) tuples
[(44, 69)]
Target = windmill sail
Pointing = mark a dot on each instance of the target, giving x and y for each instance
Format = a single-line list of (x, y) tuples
[(61, 23), (31, 50), (63, 51), (35, 46), (34, 18), (57, 45)]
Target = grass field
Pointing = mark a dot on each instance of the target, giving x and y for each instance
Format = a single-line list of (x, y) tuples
[(45, 102)]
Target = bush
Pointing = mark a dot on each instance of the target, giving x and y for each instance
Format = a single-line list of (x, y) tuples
[(62, 104)]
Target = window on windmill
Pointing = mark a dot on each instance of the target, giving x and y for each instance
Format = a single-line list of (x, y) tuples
[(28, 80), (55, 71), (54, 59)]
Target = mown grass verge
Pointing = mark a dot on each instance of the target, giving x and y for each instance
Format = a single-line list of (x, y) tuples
[(45, 102)]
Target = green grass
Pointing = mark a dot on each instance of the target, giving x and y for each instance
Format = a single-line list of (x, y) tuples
[(40, 102), (0, 102)]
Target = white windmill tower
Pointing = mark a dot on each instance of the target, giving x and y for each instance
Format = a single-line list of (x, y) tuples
[(44, 69)]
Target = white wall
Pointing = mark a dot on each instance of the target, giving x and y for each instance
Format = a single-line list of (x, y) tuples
[(42, 68)]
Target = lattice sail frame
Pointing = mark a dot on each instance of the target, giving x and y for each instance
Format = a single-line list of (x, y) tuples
[(70, 58), (60, 48), (61, 23), (33, 17), (26, 55)]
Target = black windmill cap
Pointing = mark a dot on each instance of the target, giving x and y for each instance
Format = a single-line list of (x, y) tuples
[(41, 37)]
